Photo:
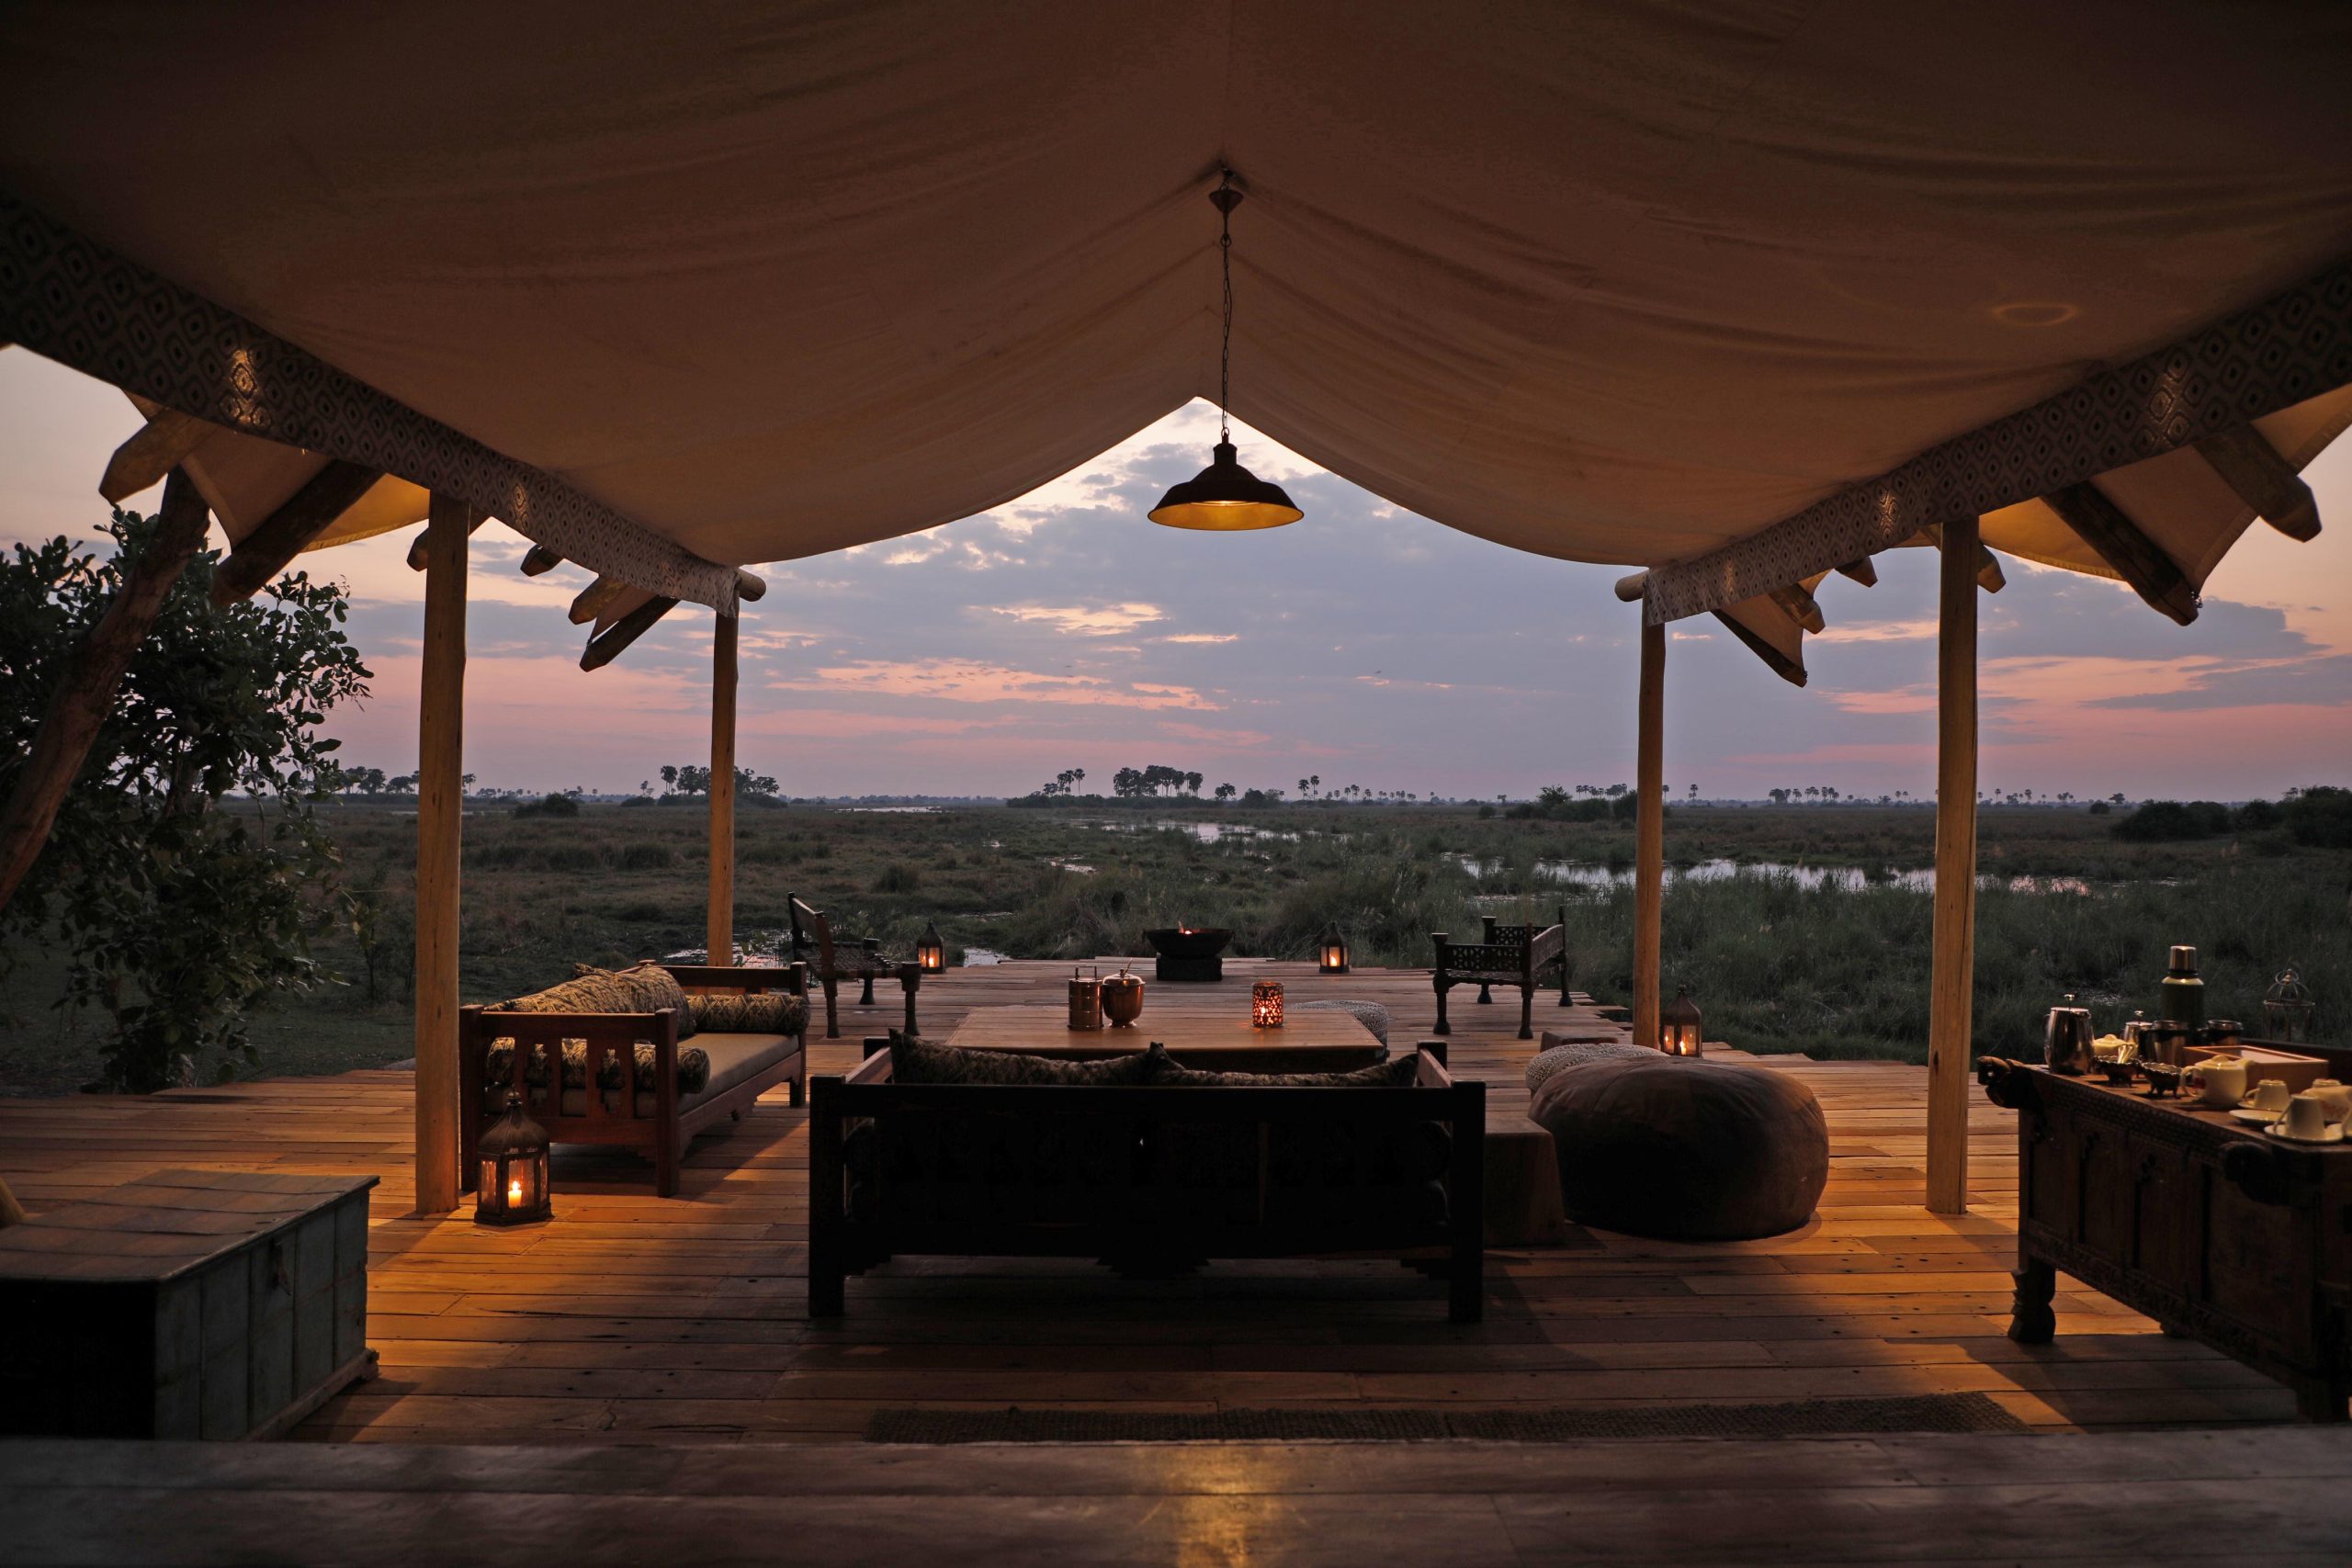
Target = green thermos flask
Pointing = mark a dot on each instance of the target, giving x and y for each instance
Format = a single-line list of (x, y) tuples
[(2181, 997)]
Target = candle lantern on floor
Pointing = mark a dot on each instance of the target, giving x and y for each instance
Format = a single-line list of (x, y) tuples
[(1331, 950), (511, 1187), (2287, 1008), (931, 953), (1678, 1025), (1266, 1005)]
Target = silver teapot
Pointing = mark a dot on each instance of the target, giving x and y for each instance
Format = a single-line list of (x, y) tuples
[(2066, 1043)]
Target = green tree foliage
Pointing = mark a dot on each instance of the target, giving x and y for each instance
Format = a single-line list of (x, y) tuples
[(2321, 817), (179, 914), (688, 778), (2169, 821)]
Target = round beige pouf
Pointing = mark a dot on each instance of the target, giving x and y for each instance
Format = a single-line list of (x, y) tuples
[(1685, 1149)]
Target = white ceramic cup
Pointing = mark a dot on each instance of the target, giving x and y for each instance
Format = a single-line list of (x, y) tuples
[(2306, 1117), (2222, 1082), (2270, 1095), (2336, 1097)]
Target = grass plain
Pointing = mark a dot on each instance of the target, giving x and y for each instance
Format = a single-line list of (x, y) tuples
[(1780, 958)]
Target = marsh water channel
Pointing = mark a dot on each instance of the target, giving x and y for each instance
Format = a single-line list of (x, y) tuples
[(1577, 873)]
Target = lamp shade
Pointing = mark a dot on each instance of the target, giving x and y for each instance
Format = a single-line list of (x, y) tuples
[(931, 953), (1225, 498)]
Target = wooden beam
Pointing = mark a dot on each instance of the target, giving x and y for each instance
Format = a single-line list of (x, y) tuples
[(1649, 834), (440, 826), (2137, 558), (1633, 586), (1864, 571), (1951, 984), (604, 648), (151, 454), (416, 546), (1988, 565), (590, 602), (85, 691), (307, 513), (719, 944), (538, 560), (750, 584), (1782, 664), (2250, 465), (1799, 605)]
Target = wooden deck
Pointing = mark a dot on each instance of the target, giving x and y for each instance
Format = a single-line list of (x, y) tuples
[(634, 1319)]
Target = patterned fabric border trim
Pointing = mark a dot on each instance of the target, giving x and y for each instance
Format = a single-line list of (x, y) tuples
[(2291, 348), (71, 301)]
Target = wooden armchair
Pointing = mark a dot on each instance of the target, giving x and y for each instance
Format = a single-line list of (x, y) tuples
[(1524, 956), (812, 943)]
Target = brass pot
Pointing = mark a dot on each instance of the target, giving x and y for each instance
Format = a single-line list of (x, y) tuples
[(1123, 998)]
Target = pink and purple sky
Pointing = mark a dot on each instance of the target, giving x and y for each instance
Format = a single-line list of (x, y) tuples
[(1366, 645)]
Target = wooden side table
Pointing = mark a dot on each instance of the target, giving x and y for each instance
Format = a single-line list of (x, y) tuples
[(187, 1303), (2236, 1239)]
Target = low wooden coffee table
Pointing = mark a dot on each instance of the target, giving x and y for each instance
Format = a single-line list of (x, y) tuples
[(1316, 1041)]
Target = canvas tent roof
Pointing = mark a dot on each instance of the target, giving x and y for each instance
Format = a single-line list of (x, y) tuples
[(1606, 281)]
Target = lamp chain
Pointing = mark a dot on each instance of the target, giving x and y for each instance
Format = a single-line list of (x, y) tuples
[(1225, 354)]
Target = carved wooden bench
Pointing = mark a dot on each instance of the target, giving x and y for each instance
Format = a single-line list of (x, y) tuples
[(1524, 956), (812, 943), (617, 1105)]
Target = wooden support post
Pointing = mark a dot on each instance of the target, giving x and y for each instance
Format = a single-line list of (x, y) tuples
[(153, 452), (1989, 575), (2137, 558), (1780, 664), (1649, 834), (84, 696), (306, 514), (590, 602), (2250, 465), (721, 946), (440, 810), (1801, 606), (607, 645), (1951, 987), (416, 547)]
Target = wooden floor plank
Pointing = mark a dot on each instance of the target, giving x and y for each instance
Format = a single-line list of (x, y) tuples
[(680, 1321)]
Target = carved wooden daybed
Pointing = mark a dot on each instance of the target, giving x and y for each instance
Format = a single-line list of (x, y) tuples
[(632, 1058), (1527, 957), (1147, 1173)]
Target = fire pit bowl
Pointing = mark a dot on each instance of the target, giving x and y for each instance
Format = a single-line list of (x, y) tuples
[(1188, 954)]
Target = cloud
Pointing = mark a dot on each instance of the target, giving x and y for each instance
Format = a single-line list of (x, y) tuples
[(975, 680), (1079, 620), (1202, 636)]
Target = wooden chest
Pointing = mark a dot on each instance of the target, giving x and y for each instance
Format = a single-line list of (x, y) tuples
[(189, 1304), (2215, 1230)]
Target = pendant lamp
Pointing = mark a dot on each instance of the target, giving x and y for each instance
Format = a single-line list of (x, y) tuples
[(1225, 497)]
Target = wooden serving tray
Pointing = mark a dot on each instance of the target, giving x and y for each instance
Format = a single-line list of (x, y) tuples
[(2292, 1068)]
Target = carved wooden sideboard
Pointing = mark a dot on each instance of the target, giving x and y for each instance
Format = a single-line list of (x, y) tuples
[(2212, 1228)]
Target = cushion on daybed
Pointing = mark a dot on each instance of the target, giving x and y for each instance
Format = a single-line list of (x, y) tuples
[(763, 1012), (641, 988), (914, 1060)]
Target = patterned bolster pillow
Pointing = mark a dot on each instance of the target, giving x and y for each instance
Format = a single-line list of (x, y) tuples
[(642, 987), (916, 1060), (498, 1069), (766, 1012)]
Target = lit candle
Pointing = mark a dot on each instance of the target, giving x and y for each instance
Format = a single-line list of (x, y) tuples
[(514, 1193)]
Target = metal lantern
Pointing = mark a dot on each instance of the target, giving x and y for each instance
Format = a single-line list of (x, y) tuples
[(1678, 1025), (511, 1188), (2287, 1008), (931, 953), (1266, 1005), (1331, 950)]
